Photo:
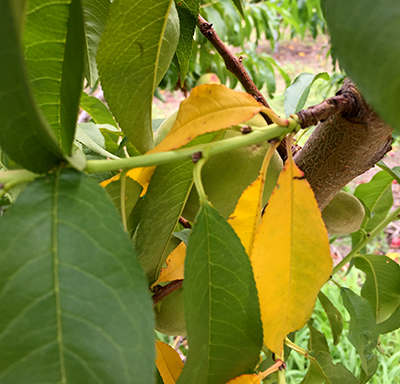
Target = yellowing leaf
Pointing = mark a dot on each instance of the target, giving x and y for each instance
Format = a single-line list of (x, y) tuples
[(290, 258), (168, 362), (246, 379), (209, 108), (141, 175), (247, 215), (174, 269)]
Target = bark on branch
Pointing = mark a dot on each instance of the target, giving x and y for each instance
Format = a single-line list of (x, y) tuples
[(348, 141)]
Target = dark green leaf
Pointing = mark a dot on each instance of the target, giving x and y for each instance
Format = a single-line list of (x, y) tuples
[(239, 6), (130, 70), (296, 95), (163, 204), (164, 201), (391, 324), (382, 285), (337, 373), (221, 303), (365, 36), (75, 305), (363, 332), (24, 134), (188, 11), (54, 43), (324, 371), (97, 109), (95, 13), (334, 317)]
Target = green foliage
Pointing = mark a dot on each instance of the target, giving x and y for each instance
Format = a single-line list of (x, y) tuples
[(77, 260), (221, 303), (371, 43)]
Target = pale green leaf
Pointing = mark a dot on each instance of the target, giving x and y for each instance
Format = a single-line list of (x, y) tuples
[(221, 306), (365, 36), (296, 95), (54, 42), (135, 51), (95, 13), (74, 300), (97, 109)]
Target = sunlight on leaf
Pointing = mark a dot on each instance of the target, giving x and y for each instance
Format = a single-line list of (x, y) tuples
[(168, 363), (174, 268), (246, 379), (291, 257)]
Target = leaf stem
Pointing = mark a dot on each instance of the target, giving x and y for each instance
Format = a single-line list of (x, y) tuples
[(214, 148), (123, 198), (305, 353), (389, 218)]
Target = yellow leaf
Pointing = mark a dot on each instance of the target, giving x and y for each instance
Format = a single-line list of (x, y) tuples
[(168, 362), (290, 258), (209, 108), (174, 269), (246, 379), (141, 175), (247, 215)]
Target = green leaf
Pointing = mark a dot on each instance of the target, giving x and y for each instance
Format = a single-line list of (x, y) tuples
[(366, 39), (90, 135), (324, 371), (363, 332), (239, 6), (24, 134), (132, 193), (317, 341), (221, 303), (95, 13), (296, 95), (188, 11), (54, 41), (334, 317), (382, 285), (74, 300), (337, 373), (164, 201), (391, 324), (97, 109), (378, 198), (163, 204), (395, 172), (131, 68)]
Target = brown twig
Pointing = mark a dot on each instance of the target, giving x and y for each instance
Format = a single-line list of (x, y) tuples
[(232, 63), (345, 103), (184, 223), (167, 290)]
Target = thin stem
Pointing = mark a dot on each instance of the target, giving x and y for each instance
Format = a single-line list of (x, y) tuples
[(166, 290), (123, 198), (214, 148), (232, 63), (197, 179), (304, 353), (391, 217)]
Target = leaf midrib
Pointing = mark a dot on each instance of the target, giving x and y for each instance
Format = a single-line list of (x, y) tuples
[(56, 280)]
